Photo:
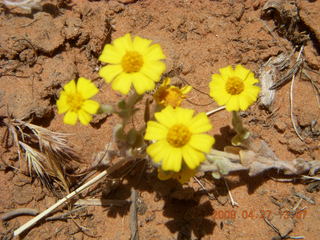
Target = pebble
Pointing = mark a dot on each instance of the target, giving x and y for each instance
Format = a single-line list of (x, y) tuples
[(280, 126), (296, 145)]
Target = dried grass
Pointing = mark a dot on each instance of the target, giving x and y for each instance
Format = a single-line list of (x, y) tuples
[(46, 152)]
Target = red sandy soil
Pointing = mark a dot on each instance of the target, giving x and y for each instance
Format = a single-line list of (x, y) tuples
[(43, 50)]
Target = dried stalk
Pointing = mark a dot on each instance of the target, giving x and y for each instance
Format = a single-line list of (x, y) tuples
[(33, 221), (45, 151)]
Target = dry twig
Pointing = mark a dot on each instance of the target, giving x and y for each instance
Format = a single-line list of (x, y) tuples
[(133, 216), (299, 59), (46, 212)]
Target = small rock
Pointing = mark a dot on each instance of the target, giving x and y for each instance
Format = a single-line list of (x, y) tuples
[(115, 7), (28, 56), (72, 29), (45, 33), (283, 140), (238, 9), (23, 195), (57, 71), (296, 145), (97, 27), (280, 126), (21, 180), (305, 118)]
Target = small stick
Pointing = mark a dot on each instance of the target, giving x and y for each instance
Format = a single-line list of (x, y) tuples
[(19, 212), (101, 202), (64, 215), (302, 196), (215, 110), (291, 99), (272, 226), (309, 177), (133, 216), (33, 221), (233, 202), (210, 195), (294, 209)]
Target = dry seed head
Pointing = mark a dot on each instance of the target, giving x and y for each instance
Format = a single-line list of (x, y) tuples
[(35, 159), (54, 142)]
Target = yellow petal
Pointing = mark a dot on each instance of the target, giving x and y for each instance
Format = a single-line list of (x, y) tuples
[(90, 106), (154, 53), (141, 45), (111, 54), (62, 103), (217, 82), (245, 102), (122, 83), (123, 43), (156, 150), (142, 83), (183, 115), (186, 89), (248, 97), (217, 79), (192, 157), (252, 90), (233, 104), (217, 90), (173, 161), (70, 118), (202, 142), (166, 82), (153, 70), (166, 117), (250, 80), (200, 123), (86, 88), (226, 72), (220, 96), (110, 72), (70, 87), (241, 72), (84, 117), (155, 131)]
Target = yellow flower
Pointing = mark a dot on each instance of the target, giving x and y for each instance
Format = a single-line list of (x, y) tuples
[(74, 99), (132, 61), (177, 136), (234, 88), (183, 176), (170, 95)]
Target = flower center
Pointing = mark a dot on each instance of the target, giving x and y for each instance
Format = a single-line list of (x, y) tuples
[(75, 102), (131, 62), (178, 135), (174, 97), (169, 96), (234, 86)]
